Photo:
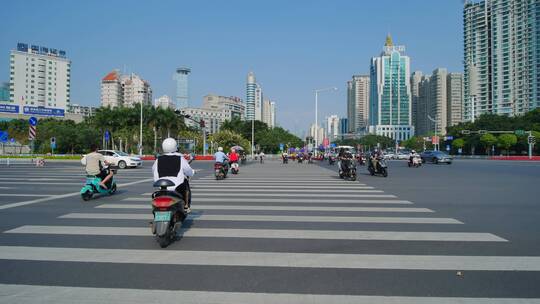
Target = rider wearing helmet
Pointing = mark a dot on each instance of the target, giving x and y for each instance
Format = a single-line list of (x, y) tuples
[(222, 158), (174, 167)]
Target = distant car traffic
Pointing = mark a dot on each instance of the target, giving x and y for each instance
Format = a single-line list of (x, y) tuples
[(121, 159), (403, 154), (435, 157)]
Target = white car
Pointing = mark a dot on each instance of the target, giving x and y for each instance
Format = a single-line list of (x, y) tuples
[(121, 159)]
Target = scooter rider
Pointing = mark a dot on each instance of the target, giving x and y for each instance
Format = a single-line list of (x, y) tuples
[(174, 167), (95, 165), (375, 156), (233, 156), (341, 156), (412, 156), (222, 158)]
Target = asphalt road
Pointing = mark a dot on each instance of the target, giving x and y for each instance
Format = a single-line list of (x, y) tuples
[(278, 234)]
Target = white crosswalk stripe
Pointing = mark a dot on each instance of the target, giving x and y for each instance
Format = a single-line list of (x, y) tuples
[(270, 209)]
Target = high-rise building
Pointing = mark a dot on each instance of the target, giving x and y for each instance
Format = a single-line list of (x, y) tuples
[(273, 114), (258, 103), (213, 118), (390, 93), (84, 111), (164, 102), (343, 127), (317, 133), (422, 126), (112, 93), (233, 104), (358, 103), (269, 113), (182, 87), (135, 90), (502, 56), (454, 95), (251, 86), (254, 99), (332, 127), (440, 98), (416, 78), (40, 80)]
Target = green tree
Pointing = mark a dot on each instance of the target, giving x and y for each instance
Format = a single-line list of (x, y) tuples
[(488, 140), (505, 141), (228, 139), (458, 143)]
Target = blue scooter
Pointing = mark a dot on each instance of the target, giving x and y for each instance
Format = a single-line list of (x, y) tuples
[(92, 186)]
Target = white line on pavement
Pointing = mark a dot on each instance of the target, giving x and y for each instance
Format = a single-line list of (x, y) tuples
[(24, 195), (54, 197), (277, 208), (331, 195), (274, 259), (283, 200), (268, 233), (30, 294), (297, 190), (216, 186), (275, 218)]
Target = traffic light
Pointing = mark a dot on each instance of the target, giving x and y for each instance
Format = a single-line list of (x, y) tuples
[(201, 123), (207, 135), (532, 140)]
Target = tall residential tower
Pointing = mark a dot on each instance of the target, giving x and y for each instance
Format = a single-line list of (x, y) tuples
[(501, 57)]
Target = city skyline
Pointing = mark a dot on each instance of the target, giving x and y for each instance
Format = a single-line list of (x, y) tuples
[(299, 54)]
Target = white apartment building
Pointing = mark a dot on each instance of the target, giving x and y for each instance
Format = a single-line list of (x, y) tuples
[(234, 104), (39, 81), (258, 103), (332, 127), (136, 90), (164, 102), (84, 111), (358, 103), (269, 113), (213, 118), (112, 93)]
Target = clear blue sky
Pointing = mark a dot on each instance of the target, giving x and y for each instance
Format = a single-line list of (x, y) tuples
[(293, 47)]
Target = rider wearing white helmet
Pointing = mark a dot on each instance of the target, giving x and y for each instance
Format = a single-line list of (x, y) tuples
[(174, 167), (221, 157)]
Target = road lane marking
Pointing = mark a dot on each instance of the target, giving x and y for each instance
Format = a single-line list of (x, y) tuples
[(274, 218), (54, 197), (297, 190), (199, 186), (268, 233), (273, 259), (24, 195), (283, 200), (277, 208), (196, 195), (30, 294)]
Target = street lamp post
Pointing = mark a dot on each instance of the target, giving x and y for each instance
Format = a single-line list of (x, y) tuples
[(317, 114), (435, 121), (140, 130)]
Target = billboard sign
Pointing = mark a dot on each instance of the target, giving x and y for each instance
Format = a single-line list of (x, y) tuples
[(6, 108), (43, 111)]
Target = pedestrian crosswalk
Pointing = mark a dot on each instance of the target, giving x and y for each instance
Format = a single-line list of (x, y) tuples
[(272, 234)]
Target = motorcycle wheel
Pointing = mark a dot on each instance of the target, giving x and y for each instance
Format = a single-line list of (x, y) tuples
[(371, 171), (353, 177), (86, 196), (384, 172), (164, 240), (113, 189)]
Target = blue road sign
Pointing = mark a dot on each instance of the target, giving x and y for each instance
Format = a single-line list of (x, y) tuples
[(3, 136), (281, 147), (12, 140), (333, 145), (449, 138), (32, 121), (447, 147), (53, 145), (107, 135)]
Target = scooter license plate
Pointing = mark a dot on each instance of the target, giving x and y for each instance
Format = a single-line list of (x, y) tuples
[(162, 216)]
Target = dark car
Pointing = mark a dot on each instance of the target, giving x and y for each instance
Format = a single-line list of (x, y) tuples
[(435, 157)]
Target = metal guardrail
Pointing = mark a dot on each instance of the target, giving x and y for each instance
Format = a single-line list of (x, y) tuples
[(37, 161)]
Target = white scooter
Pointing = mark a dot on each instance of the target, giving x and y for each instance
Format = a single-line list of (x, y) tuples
[(415, 161)]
